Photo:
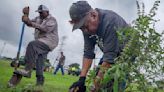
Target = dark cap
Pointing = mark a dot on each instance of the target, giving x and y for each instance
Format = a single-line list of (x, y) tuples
[(77, 12), (42, 8)]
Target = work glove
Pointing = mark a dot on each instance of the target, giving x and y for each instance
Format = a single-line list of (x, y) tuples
[(78, 86), (26, 10), (26, 20)]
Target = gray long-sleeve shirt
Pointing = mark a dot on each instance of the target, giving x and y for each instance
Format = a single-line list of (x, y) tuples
[(46, 31), (106, 36)]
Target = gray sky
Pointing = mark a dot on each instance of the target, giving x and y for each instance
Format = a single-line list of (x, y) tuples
[(10, 25)]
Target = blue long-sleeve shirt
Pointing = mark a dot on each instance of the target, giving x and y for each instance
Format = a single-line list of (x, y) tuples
[(106, 36)]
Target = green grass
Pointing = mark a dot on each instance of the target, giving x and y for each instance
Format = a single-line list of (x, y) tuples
[(53, 83)]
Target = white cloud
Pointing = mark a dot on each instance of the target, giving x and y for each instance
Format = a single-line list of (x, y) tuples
[(10, 25)]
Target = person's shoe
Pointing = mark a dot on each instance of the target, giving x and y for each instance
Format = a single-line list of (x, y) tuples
[(40, 81), (23, 72), (15, 79), (54, 73)]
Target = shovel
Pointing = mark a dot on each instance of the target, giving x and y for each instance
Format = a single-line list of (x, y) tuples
[(16, 78)]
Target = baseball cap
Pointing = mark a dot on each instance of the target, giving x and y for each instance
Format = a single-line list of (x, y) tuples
[(78, 12), (42, 8)]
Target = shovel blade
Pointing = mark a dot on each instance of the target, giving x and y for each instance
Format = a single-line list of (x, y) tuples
[(14, 80)]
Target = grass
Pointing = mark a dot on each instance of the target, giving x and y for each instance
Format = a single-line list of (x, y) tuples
[(53, 83)]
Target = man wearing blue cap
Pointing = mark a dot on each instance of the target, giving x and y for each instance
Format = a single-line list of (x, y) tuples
[(46, 39), (98, 27)]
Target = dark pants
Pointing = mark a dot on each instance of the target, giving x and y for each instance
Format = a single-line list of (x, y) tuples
[(57, 68), (36, 53)]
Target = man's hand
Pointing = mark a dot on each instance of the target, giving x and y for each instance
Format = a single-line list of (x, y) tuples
[(104, 67), (26, 11), (78, 86), (26, 20)]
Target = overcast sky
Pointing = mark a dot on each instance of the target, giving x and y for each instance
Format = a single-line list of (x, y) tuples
[(10, 24)]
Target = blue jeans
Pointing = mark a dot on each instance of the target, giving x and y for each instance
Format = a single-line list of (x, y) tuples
[(57, 68)]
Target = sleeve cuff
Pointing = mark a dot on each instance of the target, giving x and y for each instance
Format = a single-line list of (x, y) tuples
[(35, 25), (89, 56), (109, 57)]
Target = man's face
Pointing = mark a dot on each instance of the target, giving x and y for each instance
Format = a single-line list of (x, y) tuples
[(43, 14), (90, 25)]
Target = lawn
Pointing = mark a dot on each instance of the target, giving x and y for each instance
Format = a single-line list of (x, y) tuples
[(53, 83)]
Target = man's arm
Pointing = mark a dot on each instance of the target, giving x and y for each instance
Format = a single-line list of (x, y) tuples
[(47, 27), (86, 66), (110, 51), (89, 46), (64, 60), (104, 65)]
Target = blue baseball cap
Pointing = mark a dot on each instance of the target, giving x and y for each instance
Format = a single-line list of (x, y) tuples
[(78, 12)]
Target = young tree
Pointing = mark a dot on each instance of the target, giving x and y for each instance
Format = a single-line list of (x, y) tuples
[(141, 64)]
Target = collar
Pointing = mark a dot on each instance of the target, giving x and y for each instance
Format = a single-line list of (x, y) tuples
[(100, 25), (47, 17)]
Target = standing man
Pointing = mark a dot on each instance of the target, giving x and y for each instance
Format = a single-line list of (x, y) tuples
[(98, 27), (60, 64), (46, 39)]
